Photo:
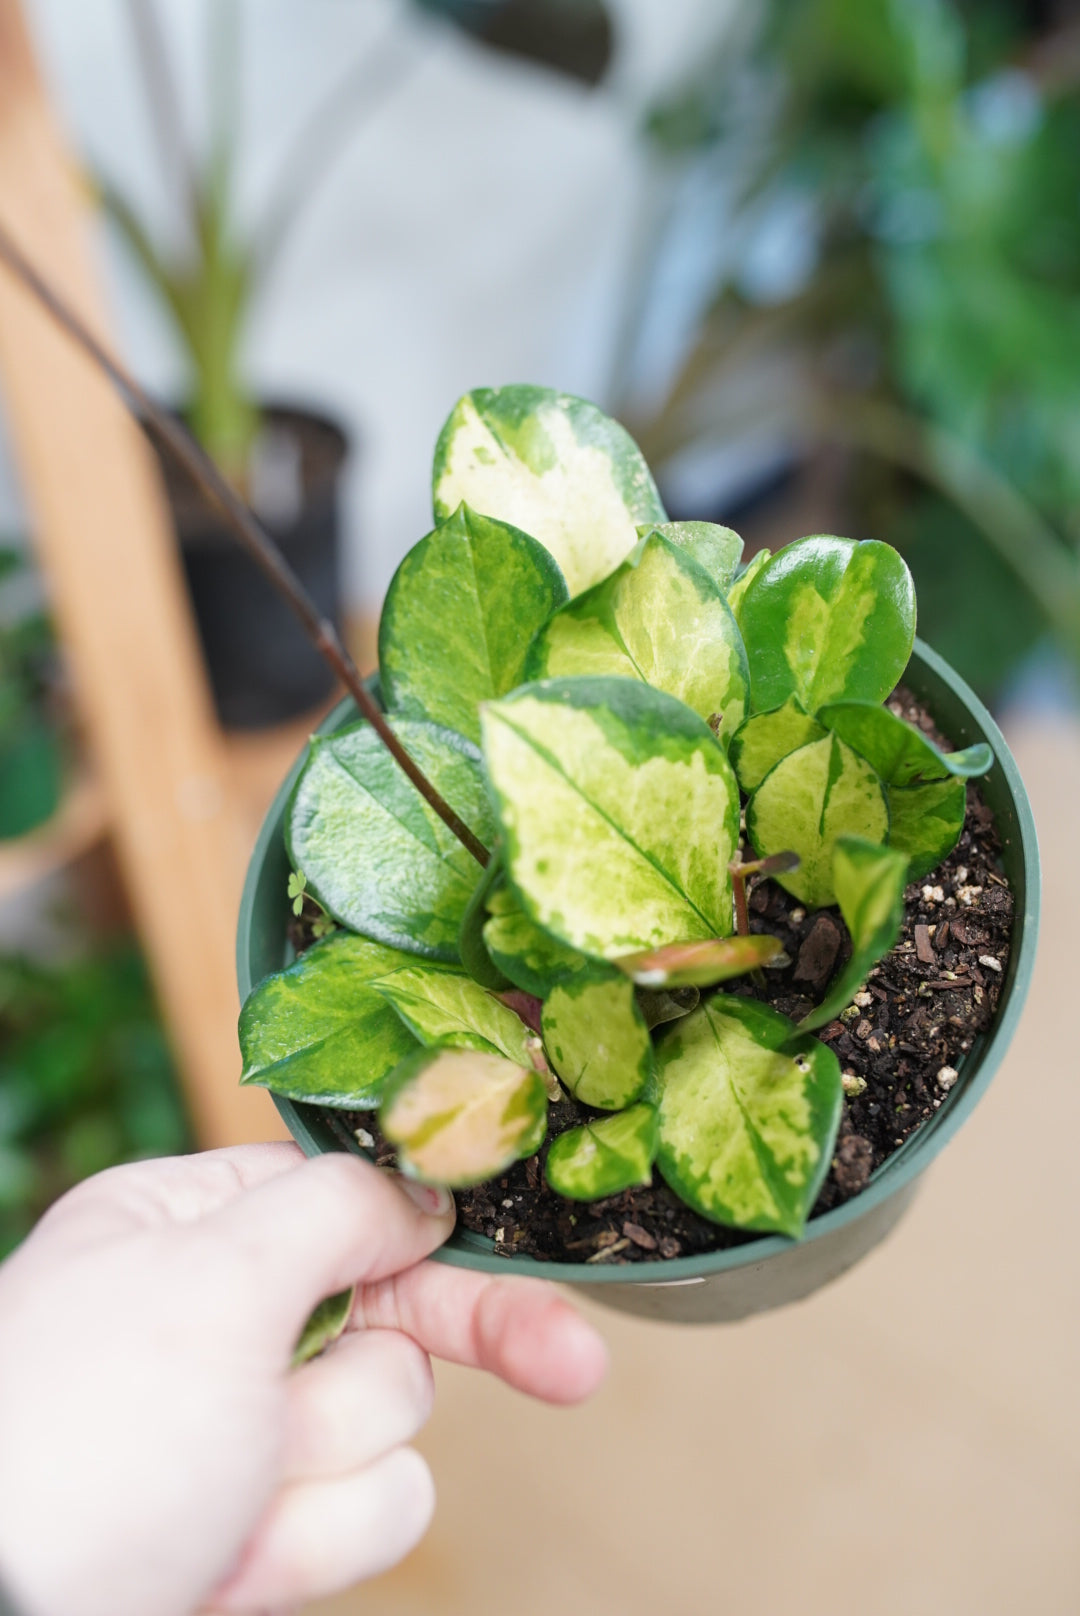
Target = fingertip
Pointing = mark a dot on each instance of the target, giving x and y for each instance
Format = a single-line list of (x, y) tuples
[(543, 1346), (579, 1355)]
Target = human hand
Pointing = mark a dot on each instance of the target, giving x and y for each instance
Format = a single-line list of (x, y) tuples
[(158, 1455)]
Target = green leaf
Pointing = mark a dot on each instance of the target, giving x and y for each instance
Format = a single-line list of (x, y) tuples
[(869, 882), (597, 1040), (765, 738), (822, 791), (659, 618), (827, 620), (319, 1032), (661, 1005), (374, 854), (471, 945), (748, 1115), (619, 813), (745, 578), (553, 465), (717, 549), (604, 1157), (699, 964), (459, 1117), (925, 822), (459, 615), (325, 1324), (899, 753), (444, 1006), (531, 958)]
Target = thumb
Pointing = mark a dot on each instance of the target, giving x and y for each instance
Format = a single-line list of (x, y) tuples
[(325, 1225)]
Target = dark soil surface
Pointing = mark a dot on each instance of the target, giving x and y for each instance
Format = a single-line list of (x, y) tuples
[(900, 1044)]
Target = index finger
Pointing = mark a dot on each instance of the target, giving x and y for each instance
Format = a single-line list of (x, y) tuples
[(519, 1329)]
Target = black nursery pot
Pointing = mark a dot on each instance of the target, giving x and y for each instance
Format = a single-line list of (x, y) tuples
[(263, 669), (769, 1271)]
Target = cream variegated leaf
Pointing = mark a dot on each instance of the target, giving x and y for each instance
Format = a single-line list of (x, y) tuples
[(458, 1117), (619, 814), (597, 1040), (765, 738), (660, 618), (440, 1005), (605, 1157), (813, 796), (553, 465), (748, 1115), (717, 549)]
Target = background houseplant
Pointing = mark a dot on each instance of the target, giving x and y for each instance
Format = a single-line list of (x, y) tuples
[(31, 754)]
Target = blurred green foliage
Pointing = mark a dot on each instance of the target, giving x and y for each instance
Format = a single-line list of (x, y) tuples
[(86, 1079), (926, 155), (31, 759)]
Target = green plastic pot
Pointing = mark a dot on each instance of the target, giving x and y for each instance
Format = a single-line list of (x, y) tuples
[(771, 1270)]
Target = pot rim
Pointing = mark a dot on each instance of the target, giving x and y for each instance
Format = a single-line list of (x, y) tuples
[(469, 1250)]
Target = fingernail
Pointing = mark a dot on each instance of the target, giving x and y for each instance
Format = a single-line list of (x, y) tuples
[(430, 1198)]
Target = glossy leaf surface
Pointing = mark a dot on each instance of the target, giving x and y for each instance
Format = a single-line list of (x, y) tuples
[(827, 620), (460, 1116), (759, 744), (747, 1126), (660, 618), (925, 822), (745, 578), (717, 549), (619, 813), (444, 1006), (869, 882), (597, 1040), (900, 754), (459, 615), (604, 1157), (552, 465), (374, 854), (529, 957), (814, 795), (699, 964), (319, 1031)]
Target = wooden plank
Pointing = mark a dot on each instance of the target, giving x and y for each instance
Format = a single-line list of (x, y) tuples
[(118, 598)]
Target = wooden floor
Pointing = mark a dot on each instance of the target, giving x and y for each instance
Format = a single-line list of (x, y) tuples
[(906, 1443)]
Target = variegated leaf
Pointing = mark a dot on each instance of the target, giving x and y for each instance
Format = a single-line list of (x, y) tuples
[(374, 854), (461, 1116), (553, 465), (925, 822), (619, 813), (745, 578), (765, 738), (325, 1323), (660, 1005), (748, 1115), (319, 1032), (814, 795), (605, 1156), (529, 957), (659, 617), (471, 946), (869, 882), (440, 1005), (900, 754), (699, 964), (717, 549), (597, 1040), (459, 615), (827, 620)]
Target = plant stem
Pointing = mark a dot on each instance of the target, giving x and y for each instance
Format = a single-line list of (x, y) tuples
[(742, 913), (255, 540)]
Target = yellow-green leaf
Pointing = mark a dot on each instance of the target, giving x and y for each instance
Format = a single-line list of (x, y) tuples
[(925, 822), (597, 1040), (900, 754), (324, 1325), (459, 615), (717, 549), (748, 1115), (869, 882), (552, 465), (815, 794), (440, 1005), (605, 1156), (619, 813), (765, 738), (660, 618)]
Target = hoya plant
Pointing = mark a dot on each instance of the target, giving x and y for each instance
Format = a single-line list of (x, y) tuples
[(629, 730)]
